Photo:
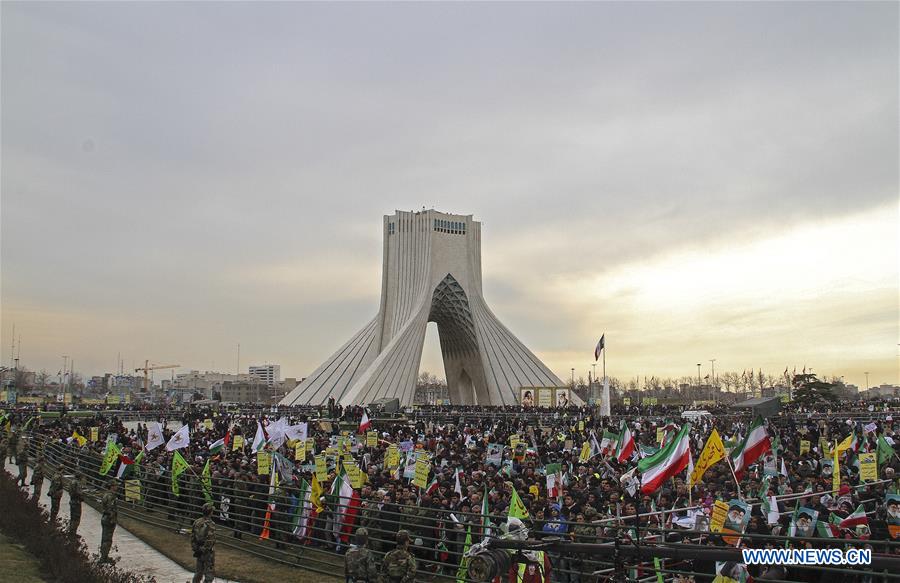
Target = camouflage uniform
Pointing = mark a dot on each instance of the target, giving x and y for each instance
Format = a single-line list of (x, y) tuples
[(76, 497), (22, 459), (37, 478), (11, 445), (359, 565), (109, 508), (398, 566), (55, 492), (203, 539)]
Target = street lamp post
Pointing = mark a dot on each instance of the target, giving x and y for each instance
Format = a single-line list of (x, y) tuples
[(573, 378), (698, 377)]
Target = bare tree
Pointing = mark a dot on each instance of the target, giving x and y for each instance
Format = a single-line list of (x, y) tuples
[(42, 378)]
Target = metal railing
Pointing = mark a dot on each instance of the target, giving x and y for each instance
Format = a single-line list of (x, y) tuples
[(246, 509)]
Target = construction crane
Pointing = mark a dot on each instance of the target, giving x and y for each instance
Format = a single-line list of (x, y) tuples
[(147, 368)]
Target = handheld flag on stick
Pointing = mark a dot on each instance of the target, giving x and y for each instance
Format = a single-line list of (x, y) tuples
[(179, 465)]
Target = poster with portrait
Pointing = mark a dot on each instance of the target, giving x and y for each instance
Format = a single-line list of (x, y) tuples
[(526, 397), (562, 397), (769, 466), (804, 524), (892, 505), (731, 572), (736, 520), (495, 454)]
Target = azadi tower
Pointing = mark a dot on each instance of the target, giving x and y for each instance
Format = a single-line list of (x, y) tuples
[(431, 273)]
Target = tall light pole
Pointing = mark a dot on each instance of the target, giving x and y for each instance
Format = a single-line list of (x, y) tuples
[(573, 378), (698, 376), (867, 380), (63, 378)]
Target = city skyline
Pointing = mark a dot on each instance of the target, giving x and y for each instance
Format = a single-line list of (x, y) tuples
[(696, 182)]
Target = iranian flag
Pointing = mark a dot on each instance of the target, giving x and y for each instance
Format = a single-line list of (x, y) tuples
[(750, 448), (302, 517), (829, 529), (432, 486), (364, 423), (608, 443), (347, 508), (858, 517), (625, 444), (666, 462), (217, 446), (553, 490), (458, 486)]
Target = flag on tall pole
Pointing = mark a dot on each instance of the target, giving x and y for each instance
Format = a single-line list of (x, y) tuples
[(600, 345)]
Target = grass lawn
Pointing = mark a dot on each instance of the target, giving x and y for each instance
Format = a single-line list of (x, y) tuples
[(15, 559)]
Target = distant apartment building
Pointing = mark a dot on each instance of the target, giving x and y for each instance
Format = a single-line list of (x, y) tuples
[(881, 392), (270, 374)]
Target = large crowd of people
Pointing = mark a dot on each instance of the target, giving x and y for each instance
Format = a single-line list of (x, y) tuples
[(452, 476)]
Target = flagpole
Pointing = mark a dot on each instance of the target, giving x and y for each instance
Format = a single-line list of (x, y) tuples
[(731, 467), (606, 409)]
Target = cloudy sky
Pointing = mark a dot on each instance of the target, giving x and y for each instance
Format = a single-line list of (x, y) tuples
[(697, 181)]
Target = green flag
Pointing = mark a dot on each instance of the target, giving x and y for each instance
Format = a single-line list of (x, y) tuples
[(656, 567), (485, 517), (516, 508), (179, 465), (109, 457), (206, 481), (464, 561), (884, 450)]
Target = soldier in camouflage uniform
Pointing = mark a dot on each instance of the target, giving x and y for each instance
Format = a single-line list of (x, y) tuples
[(37, 478), (399, 566), (203, 539), (109, 508), (359, 563), (55, 492), (22, 460), (4, 440), (11, 445), (76, 497)]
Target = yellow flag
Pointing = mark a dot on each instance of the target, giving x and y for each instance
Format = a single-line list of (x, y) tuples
[(516, 508), (836, 470), (585, 452), (845, 445), (315, 494), (713, 451), (79, 438)]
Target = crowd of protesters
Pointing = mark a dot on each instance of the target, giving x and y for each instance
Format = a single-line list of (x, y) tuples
[(481, 460)]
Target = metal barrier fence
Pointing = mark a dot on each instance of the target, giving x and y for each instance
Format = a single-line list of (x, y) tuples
[(241, 510)]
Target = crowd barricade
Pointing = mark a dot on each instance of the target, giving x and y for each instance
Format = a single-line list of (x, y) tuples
[(241, 510)]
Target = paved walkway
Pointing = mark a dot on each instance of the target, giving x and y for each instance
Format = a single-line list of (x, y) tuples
[(135, 554)]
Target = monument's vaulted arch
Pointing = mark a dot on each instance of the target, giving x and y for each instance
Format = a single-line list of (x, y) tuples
[(431, 273)]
